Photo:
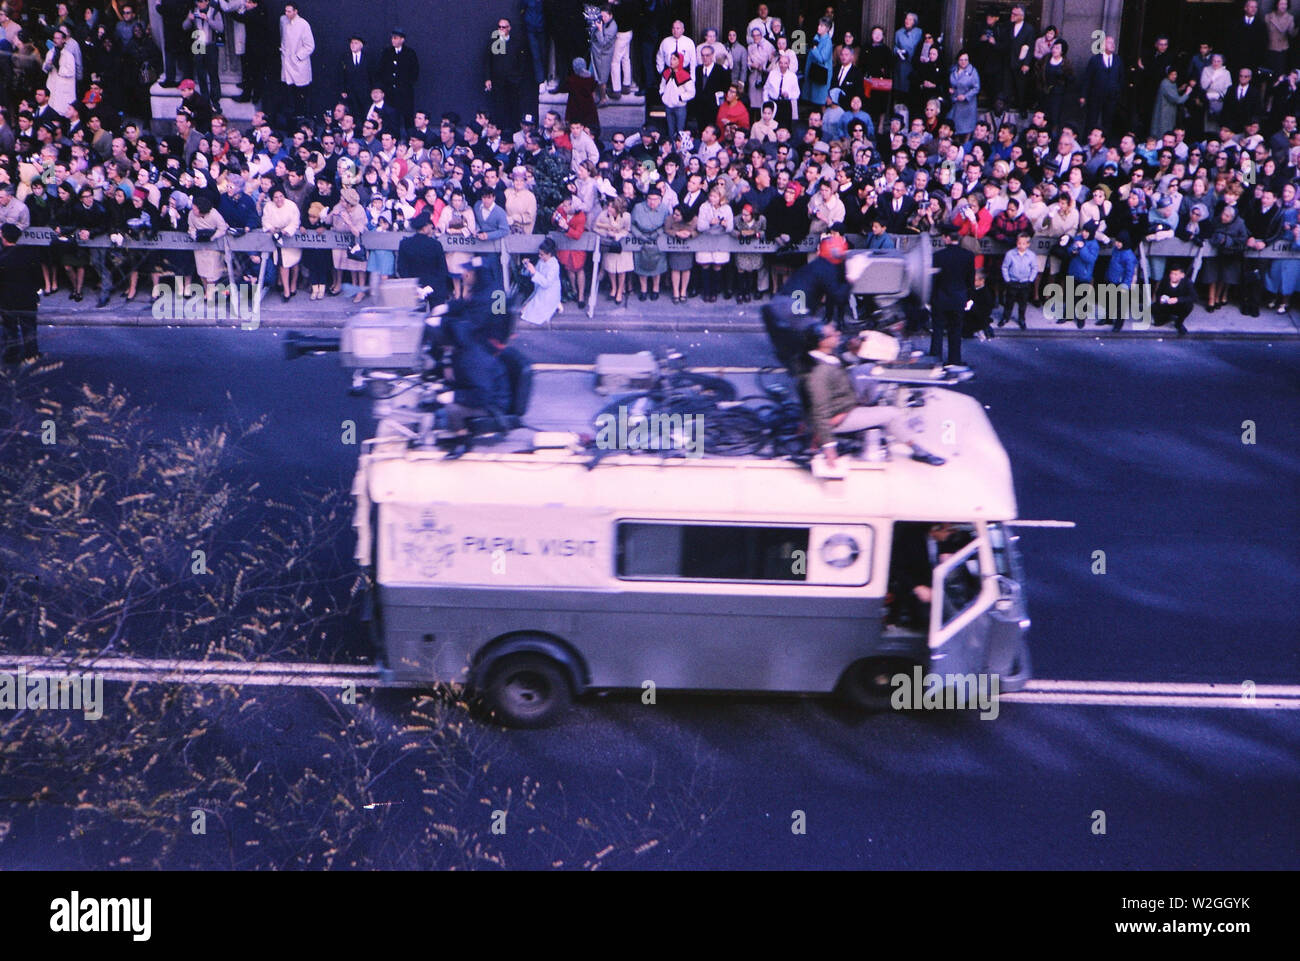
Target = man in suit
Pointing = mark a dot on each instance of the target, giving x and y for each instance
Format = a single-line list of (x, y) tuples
[(508, 73), (897, 209), (1242, 103), (846, 77), (711, 83), (396, 73), (1020, 63), (954, 285), (1174, 299), (1103, 83), (383, 115), (422, 257), (358, 76), (1247, 38), (20, 282), (1279, 145)]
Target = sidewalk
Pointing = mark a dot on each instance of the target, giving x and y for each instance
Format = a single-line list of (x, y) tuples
[(661, 315)]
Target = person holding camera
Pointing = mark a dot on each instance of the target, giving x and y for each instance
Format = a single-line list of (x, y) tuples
[(545, 275)]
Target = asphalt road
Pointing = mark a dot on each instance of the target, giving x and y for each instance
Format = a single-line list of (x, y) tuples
[(1139, 443)]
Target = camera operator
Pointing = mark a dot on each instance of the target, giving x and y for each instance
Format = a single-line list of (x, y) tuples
[(477, 337)]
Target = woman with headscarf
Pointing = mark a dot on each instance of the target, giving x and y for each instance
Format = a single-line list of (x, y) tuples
[(648, 220), (349, 216), (581, 106), (788, 224), (676, 89), (207, 225), (457, 222), (281, 219), (964, 88), (1228, 240)]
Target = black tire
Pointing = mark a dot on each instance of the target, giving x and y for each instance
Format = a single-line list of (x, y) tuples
[(527, 690), (866, 684)]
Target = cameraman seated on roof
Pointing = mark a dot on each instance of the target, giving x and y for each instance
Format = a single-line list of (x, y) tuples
[(833, 407)]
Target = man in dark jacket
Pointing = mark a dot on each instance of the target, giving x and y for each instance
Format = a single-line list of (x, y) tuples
[(711, 83), (358, 77), (422, 257), (176, 42), (1020, 37), (20, 281), (507, 74), (396, 73), (1174, 299), (1102, 86), (1247, 38), (261, 50), (1243, 102), (954, 283)]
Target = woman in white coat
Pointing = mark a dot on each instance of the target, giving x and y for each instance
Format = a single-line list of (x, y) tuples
[(281, 216), (545, 274), (61, 73)]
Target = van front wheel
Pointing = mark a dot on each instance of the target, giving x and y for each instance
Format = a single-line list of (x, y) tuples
[(527, 690), (868, 683)]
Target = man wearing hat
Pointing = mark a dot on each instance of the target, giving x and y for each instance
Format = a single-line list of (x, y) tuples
[(358, 75), (196, 105), (396, 73), (20, 283), (422, 257)]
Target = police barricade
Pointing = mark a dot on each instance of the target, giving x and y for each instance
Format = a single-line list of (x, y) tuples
[(259, 241)]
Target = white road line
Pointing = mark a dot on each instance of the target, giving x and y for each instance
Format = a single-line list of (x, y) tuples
[(1222, 689), (1220, 695), (1141, 700)]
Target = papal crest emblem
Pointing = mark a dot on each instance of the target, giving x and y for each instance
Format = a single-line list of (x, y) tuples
[(428, 548)]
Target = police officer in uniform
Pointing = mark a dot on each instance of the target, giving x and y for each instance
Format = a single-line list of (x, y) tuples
[(422, 257)]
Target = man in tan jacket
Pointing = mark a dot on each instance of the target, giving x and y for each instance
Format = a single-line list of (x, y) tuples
[(833, 406)]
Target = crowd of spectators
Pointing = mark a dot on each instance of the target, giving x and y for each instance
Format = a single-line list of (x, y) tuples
[(761, 137)]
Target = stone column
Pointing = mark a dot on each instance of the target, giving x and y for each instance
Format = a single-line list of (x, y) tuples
[(705, 14)]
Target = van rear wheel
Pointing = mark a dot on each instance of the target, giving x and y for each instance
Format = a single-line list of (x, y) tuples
[(867, 684), (527, 690)]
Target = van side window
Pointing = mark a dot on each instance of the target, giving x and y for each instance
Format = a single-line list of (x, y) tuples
[(709, 552)]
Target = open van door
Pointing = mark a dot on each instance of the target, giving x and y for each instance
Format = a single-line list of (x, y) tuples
[(977, 620)]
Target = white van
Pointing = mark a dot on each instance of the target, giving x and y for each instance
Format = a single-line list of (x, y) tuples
[(532, 578)]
